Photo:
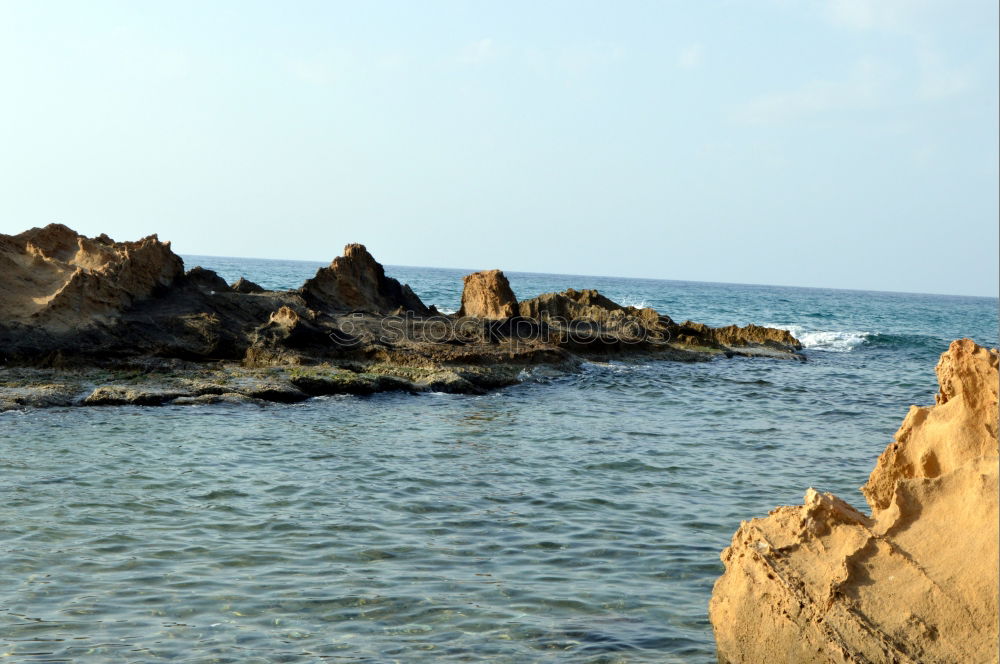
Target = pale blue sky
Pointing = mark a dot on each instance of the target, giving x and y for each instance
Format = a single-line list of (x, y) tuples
[(848, 144)]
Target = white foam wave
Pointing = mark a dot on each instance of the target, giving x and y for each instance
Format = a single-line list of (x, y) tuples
[(630, 301), (831, 341)]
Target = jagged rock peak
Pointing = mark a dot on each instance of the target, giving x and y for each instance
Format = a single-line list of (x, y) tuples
[(487, 294), (357, 282), (914, 582)]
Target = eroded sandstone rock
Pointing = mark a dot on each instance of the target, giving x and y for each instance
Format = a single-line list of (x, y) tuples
[(357, 282), (57, 279), (913, 583), (487, 294)]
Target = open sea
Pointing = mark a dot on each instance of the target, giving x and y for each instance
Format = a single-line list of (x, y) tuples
[(568, 519)]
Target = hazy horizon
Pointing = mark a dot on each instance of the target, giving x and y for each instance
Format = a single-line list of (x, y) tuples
[(466, 269), (850, 144)]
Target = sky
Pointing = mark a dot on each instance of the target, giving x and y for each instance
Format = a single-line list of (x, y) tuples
[(842, 144)]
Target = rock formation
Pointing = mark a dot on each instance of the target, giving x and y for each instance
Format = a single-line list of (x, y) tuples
[(487, 294), (587, 304), (913, 583), (206, 280), (733, 336), (94, 305), (244, 285), (58, 279), (357, 282), (572, 310)]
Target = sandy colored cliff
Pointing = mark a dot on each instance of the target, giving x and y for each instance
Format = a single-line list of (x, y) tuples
[(914, 582), (57, 278)]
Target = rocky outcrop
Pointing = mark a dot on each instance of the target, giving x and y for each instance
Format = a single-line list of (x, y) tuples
[(57, 279), (357, 282), (590, 305), (93, 305), (732, 336), (574, 312), (487, 294), (914, 582), (285, 334), (207, 280), (244, 285)]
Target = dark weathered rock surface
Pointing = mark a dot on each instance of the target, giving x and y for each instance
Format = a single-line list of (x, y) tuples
[(206, 280), (244, 285)]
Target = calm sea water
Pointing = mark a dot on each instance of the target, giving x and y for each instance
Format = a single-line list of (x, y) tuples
[(568, 519)]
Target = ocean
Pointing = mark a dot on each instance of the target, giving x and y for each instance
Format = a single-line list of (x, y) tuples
[(572, 518)]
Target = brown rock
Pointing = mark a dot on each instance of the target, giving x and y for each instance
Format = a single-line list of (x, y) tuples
[(587, 304), (915, 582), (487, 294), (58, 279), (357, 282), (933, 441), (734, 336)]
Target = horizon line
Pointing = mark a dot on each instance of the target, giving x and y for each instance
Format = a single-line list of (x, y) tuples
[(611, 276)]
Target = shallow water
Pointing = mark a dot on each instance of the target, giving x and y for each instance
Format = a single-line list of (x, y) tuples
[(568, 519)]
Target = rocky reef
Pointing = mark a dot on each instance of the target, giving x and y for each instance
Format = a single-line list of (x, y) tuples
[(77, 314), (913, 582)]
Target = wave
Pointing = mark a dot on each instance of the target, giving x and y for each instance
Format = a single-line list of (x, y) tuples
[(921, 341), (831, 341), (834, 342), (845, 341), (637, 302)]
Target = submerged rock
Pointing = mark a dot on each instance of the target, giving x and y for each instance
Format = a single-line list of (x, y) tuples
[(487, 294), (357, 282), (913, 582)]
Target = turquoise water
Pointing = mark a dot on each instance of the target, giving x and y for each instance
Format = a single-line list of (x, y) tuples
[(569, 519)]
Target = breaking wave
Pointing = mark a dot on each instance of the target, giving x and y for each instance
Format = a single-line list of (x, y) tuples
[(828, 340), (845, 341)]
